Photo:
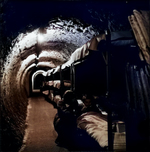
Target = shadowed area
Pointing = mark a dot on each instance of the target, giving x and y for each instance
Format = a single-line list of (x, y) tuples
[(40, 134)]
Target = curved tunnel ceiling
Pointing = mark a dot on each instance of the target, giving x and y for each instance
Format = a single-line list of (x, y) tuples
[(41, 49)]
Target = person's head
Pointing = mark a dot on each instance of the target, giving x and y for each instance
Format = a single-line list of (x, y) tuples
[(68, 96), (57, 98), (87, 100)]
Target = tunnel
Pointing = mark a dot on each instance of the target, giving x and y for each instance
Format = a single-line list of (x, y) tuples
[(40, 49), (49, 43), (37, 80)]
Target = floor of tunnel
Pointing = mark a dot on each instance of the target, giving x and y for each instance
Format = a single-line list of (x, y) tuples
[(40, 134)]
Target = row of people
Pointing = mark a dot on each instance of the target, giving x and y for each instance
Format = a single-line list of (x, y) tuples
[(69, 109)]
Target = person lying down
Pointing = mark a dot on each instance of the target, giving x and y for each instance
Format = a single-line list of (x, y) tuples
[(87, 120), (93, 121), (90, 119)]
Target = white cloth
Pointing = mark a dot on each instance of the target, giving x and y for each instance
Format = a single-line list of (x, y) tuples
[(95, 125)]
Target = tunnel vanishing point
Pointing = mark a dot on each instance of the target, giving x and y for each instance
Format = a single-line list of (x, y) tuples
[(33, 53)]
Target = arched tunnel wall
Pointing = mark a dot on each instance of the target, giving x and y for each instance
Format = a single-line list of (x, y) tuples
[(14, 95), (41, 48)]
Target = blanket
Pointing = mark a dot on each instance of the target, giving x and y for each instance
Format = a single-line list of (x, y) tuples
[(95, 125)]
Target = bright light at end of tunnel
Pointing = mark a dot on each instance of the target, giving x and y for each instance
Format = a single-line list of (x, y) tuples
[(40, 38)]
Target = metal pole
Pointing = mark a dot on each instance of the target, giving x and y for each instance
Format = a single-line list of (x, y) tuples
[(110, 136), (71, 77), (61, 83)]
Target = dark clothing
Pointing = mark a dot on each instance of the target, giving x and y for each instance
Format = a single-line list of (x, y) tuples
[(90, 108), (66, 127), (67, 116), (69, 136)]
